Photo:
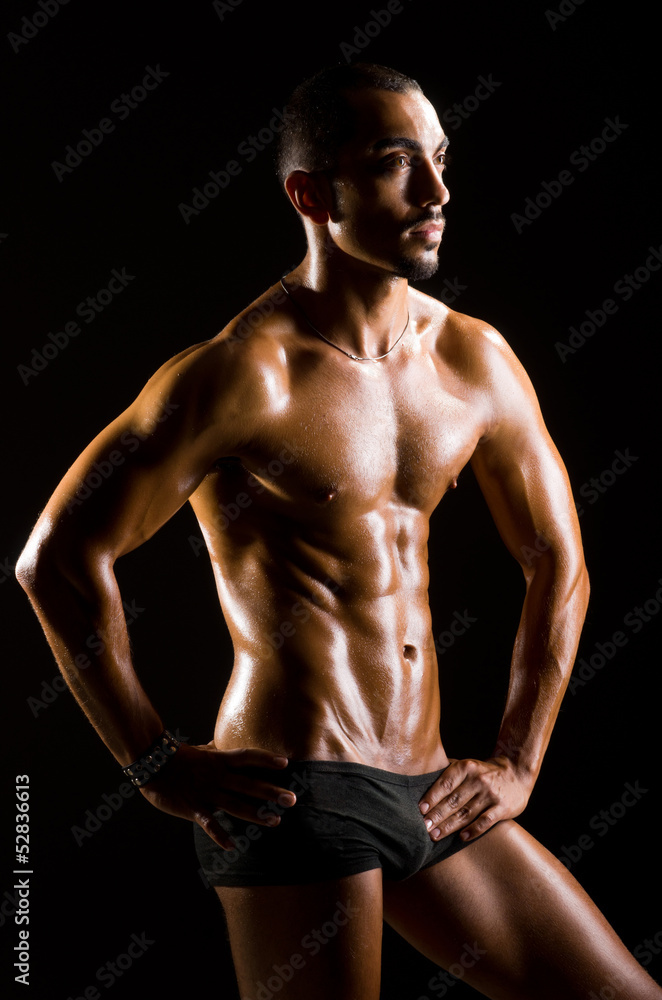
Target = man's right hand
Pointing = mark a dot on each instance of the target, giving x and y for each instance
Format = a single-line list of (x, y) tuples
[(199, 780)]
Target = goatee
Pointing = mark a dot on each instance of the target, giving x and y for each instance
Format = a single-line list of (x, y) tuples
[(417, 269)]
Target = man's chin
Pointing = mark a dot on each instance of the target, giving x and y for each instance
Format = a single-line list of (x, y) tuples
[(417, 268)]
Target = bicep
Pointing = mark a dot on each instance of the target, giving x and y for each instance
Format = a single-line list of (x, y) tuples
[(134, 475), (124, 486)]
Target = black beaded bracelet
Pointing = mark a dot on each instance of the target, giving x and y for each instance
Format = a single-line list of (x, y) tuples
[(151, 762)]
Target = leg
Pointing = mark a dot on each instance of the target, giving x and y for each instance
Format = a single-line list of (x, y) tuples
[(507, 917), (321, 940)]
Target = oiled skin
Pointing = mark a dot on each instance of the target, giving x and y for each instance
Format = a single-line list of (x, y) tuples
[(313, 477), (328, 550), (328, 559)]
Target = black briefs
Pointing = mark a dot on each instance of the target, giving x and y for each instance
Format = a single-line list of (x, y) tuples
[(348, 818)]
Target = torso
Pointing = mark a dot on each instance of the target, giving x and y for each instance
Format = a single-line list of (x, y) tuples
[(318, 534)]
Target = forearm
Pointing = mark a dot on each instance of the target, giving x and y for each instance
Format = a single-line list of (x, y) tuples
[(543, 657), (83, 619)]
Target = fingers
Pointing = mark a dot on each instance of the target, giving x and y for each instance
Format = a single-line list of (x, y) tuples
[(247, 796), (234, 777), (214, 830), (441, 791), (460, 800), (266, 813)]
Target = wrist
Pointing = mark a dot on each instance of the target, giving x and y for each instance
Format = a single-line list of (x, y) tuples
[(153, 759), (517, 764)]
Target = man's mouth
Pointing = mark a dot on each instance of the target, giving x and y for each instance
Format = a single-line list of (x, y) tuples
[(429, 230)]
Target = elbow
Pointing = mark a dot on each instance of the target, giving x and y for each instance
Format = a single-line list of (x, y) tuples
[(583, 583), (34, 565), (25, 569), (50, 563), (564, 570)]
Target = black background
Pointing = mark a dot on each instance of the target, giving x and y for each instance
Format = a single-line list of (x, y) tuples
[(227, 71)]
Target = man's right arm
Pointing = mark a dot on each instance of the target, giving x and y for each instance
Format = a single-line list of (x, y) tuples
[(126, 484)]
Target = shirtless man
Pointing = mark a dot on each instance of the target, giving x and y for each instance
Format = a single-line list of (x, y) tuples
[(334, 413)]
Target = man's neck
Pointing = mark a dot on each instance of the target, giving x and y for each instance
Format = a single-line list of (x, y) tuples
[(359, 307)]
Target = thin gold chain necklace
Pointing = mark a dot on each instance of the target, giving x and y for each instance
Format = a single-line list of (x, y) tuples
[(330, 342)]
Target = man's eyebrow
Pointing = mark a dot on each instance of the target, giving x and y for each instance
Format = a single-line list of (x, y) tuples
[(403, 142)]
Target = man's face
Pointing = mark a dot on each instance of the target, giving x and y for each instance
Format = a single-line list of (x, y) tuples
[(388, 184)]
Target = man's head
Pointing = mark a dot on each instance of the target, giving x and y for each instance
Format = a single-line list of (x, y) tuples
[(361, 159), (321, 116)]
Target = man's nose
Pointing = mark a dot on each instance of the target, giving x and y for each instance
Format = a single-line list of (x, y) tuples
[(430, 188)]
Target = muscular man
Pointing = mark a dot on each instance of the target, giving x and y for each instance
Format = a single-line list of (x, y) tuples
[(334, 413)]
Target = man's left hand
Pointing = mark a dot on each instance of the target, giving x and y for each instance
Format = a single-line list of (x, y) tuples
[(473, 795)]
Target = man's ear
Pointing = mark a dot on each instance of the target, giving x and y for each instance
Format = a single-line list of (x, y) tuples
[(311, 194)]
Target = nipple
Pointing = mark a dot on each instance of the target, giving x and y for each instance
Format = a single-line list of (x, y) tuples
[(326, 495), (453, 485)]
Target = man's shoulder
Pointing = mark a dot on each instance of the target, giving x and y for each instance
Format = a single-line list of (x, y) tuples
[(457, 337), (247, 341), (258, 328), (483, 358)]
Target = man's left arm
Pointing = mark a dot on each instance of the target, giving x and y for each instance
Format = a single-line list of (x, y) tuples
[(526, 488)]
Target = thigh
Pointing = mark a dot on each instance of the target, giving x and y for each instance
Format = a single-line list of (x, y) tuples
[(303, 941), (509, 919)]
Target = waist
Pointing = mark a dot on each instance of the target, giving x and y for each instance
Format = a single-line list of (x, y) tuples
[(298, 770), (359, 709)]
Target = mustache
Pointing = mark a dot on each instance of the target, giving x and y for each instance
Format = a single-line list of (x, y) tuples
[(436, 217)]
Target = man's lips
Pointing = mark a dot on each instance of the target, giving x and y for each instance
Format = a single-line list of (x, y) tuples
[(429, 230)]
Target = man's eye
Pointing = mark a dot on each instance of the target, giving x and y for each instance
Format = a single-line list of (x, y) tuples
[(399, 161)]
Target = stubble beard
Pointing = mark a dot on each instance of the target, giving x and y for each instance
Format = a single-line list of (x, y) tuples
[(423, 267), (417, 269)]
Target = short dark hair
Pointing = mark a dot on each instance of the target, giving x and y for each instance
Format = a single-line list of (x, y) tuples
[(320, 119)]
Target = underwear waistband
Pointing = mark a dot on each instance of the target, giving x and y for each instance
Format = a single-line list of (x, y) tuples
[(353, 767)]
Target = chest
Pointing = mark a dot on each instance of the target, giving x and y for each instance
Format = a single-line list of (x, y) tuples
[(368, 434)]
